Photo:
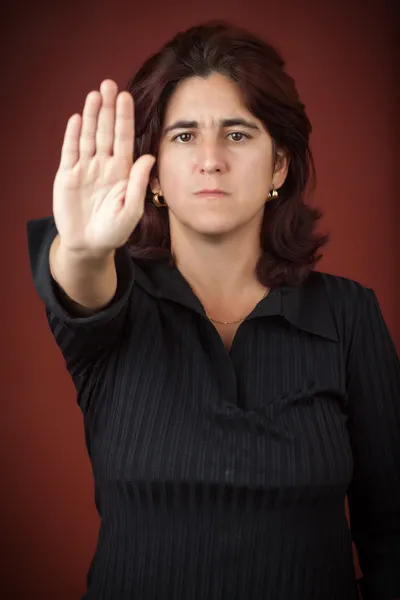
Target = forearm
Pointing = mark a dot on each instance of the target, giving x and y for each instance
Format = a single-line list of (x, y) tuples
[(87, 284)]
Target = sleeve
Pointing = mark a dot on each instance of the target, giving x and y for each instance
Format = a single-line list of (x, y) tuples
[(82, 340), (373, 388)]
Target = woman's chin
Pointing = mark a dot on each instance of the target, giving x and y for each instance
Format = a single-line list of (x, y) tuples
[(206, 223), (213, 227)]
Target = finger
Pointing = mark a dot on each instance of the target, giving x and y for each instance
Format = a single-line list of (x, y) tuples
[(87, 142), (124, 126), (138, 182), (70, 147), (106, 119)]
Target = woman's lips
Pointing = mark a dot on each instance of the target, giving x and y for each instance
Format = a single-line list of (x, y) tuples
[(211, 193)]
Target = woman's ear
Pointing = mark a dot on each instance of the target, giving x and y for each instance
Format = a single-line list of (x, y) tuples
[(282, 162), (155, 185)]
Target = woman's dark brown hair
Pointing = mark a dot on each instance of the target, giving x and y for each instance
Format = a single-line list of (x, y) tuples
[(289, 239)]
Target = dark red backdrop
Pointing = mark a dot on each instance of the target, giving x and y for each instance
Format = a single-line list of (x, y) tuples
[(342, 57)]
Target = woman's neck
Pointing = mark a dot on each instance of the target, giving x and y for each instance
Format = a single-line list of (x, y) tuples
[(218, 269)]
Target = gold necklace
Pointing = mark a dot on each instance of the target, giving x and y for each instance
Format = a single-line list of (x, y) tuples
[(233, 322)]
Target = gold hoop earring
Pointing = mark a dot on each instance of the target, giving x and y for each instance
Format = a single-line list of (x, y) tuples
[(273, 193), (156, 201)]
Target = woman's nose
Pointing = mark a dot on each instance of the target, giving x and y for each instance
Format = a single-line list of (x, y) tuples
[(211, 158)]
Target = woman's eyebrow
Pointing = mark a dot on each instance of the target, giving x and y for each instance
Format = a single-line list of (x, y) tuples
[(222, 123)]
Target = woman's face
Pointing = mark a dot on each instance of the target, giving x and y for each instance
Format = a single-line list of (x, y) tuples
[(208, 153)]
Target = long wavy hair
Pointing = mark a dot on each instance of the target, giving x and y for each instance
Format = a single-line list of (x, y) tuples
[(289, 240)]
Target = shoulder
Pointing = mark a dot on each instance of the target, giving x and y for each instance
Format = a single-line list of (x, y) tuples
[(350, 302), (340, 290)]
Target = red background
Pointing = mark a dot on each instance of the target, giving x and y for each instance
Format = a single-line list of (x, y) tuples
[(342, 58)]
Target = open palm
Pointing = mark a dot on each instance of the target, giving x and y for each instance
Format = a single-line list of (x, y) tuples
[(98, 195)]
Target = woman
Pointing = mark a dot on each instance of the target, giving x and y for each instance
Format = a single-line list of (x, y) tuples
[(232, 394)]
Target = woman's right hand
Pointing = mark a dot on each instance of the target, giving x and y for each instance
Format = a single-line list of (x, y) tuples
[(99, 193)]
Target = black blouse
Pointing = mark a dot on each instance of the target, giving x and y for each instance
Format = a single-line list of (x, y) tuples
[(223, 475)]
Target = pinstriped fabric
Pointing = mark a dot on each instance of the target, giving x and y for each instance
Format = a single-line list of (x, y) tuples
[(223, 475)]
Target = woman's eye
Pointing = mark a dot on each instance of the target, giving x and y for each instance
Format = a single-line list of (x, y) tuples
[(239, 133), (185, 137), (181, 135)]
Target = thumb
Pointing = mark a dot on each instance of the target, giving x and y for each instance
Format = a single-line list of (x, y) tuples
[(138, 181)]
